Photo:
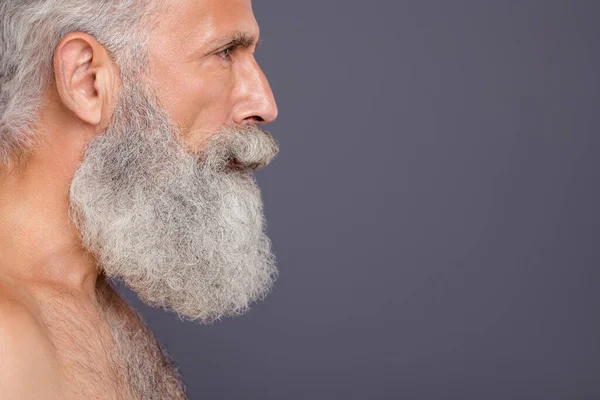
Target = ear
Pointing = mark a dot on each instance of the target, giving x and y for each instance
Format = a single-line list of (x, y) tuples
[(87, 79)]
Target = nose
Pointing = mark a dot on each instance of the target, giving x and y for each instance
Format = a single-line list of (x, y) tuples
[(255, 103)]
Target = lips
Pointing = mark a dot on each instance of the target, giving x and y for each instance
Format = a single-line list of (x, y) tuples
[(235, 165)]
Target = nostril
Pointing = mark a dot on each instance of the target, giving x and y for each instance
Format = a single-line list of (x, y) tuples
[(256, 119)]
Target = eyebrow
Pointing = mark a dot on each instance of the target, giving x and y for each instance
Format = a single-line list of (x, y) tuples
[(236, 39)]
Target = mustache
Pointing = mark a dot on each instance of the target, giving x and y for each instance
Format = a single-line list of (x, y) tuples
[(239, 147)]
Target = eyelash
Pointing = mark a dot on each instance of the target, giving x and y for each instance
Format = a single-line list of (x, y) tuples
[(226, 53)]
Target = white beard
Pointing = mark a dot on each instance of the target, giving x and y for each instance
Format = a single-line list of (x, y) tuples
[(184, 231)]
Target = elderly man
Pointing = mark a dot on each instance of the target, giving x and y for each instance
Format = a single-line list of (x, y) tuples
[(129, 131)]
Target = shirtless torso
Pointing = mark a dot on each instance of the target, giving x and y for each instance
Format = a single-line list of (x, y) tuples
[(68, 348)]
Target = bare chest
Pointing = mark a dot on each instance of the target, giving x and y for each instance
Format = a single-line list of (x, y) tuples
[(108, 353), (86, 356)]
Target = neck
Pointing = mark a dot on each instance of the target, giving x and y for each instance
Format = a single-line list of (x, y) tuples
[(38, 242)]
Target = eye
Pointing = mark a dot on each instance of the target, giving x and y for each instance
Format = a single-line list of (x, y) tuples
[(226, 53)]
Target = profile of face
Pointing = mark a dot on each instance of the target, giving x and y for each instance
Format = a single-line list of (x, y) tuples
[(165, 198)]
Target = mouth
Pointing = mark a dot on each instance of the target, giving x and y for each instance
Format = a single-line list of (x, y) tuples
[(235, 165)]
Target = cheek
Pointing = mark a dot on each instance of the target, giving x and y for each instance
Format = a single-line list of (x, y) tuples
[(196, 97)]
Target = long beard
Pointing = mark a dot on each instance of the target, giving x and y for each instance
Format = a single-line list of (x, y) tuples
[(184, 231)]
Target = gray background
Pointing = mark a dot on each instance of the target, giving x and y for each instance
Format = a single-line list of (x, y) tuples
[(433, 209)]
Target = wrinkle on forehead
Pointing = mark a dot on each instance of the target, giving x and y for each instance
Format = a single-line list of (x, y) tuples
[(189, 27)]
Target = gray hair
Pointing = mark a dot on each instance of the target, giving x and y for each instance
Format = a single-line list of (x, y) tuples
[(30, 30)]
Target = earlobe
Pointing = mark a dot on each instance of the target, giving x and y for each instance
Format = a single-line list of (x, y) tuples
[(82, 72)]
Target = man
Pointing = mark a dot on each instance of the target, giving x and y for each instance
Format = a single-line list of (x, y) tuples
[(129, 131)]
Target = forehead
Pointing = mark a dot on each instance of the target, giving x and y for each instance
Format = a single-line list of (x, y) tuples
[(193, 24)]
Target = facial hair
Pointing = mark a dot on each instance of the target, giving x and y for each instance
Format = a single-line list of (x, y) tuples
[(184, 230)]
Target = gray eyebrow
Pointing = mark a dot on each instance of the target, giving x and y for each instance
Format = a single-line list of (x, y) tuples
[(238, 39)]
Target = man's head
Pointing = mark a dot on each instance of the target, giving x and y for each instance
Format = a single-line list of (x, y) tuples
[(156, 105)]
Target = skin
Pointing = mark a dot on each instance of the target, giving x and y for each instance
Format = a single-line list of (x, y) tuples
[(202, 82)]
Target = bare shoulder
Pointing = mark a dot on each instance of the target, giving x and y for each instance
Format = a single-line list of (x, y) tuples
[(28, 367)]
